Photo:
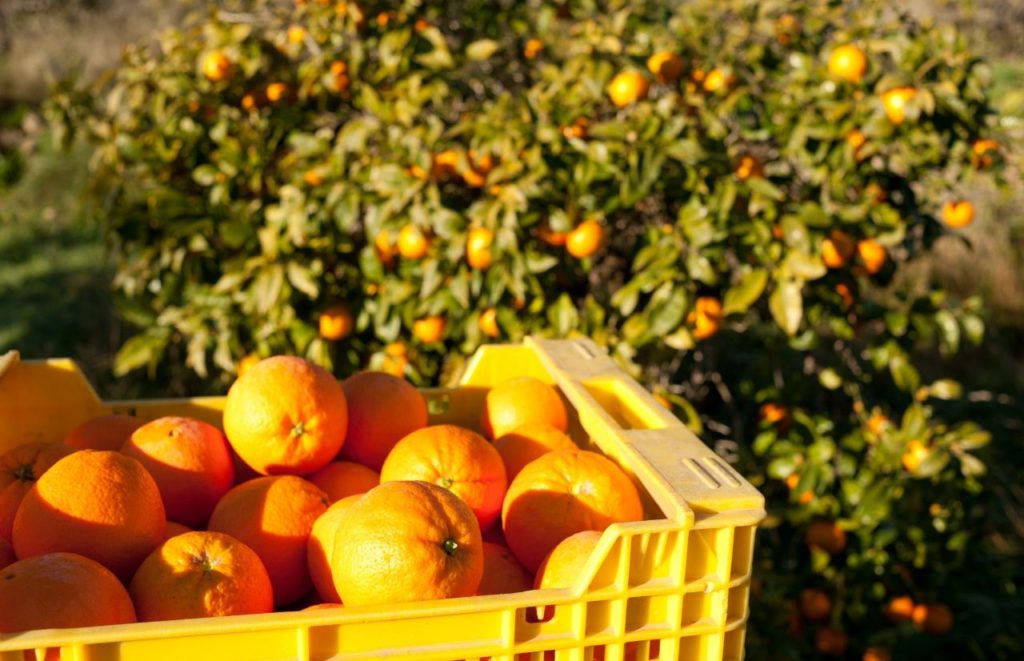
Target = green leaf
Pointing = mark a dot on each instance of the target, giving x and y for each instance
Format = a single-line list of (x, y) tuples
[(481, 49), (745, 293), (787, 305), (903, 373), (303, 280), (971, 466), (145, 349)]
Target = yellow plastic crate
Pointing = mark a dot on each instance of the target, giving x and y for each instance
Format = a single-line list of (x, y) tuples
[(674, 586)]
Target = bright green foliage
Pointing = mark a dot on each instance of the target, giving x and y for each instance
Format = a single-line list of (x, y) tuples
[(242, 217)]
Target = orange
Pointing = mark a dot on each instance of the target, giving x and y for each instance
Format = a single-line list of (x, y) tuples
[(958, 214), (336, 323), (585, 239), (429, 330), (277, 91), (174, 529), (528, 442), (274, 516), (407, 541), (876, 654), (845, 294), (444, 164), (476, 175), (7, 555), (900, 609), (717, 79), (792, 481), (826, 536), (847, 63), (339, 72), (877, 424), (320, 548), (478, 248), (454, 458), (96, 503), (286, 415), (933, 618), (773, 413), (563, 493), (61, 591), (830, 642), (340, 479), (20, 467), (412, 244), (564, 565), (201, 574), (748, 167), (786, 27), (296, 34), (244, 365), (706, 317), (190, 462), (383, 409), (666, 66), (895, 101), (875, 193), (578, 129), (488, 323), (915, 453), (533, 48), (383, 246), (856, 139), (108, 432), (551, 237), (322, 607), (216, 66), (518, 401), (502, 572), (815, 604), (837, 249), (872, 255), (982, 152), (628, 87)]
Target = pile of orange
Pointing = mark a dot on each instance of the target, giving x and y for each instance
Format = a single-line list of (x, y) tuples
[(314, 493)]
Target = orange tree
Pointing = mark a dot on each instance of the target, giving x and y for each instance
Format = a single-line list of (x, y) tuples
[(726, 195)]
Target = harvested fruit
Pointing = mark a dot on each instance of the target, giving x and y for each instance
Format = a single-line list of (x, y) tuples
[(108, 432), (528, 442), (61, 591), (407, 541), (340, 479), (190, 462), (502, 572), (456, 459), (95, 503), (320, 548), (274, 516), (201, 574), (383, 409), (6, 553), (519, 401), (20, 467), (563, 567), (563, 493), (174, 529), (286, 416)]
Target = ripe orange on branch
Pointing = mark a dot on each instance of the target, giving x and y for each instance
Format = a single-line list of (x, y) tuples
[(706, 317), (895, 101), (958, 213), (478, 248), (848, 63), (336, 323), (628, 87), (585, 239), (430, 329), (666, 66)]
